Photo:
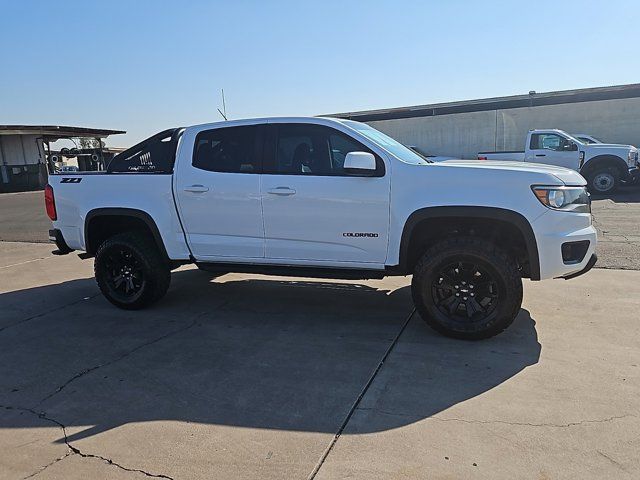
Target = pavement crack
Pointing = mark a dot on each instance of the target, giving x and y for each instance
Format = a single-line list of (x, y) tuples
[(488, 422), (364, 390), (25, 262), (119, 358), (386, 412), (73, 450), (613, 461), (42, 314), (526, 424), (42, 469), (109, 461)]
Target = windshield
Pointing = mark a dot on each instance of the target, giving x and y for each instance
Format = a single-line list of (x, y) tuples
[(389, 144), (587, 140)]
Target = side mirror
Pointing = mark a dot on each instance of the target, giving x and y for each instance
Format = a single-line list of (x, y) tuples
[(570, 147), (362, 163)]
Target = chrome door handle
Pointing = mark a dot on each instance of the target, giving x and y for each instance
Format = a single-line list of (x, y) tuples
[(282, 191), (196, 189)]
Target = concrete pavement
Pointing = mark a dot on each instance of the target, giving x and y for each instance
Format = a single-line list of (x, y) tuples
[(617, 220), (23, 217), (250, 376)]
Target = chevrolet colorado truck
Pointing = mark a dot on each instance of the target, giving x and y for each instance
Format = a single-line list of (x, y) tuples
[(325, 198), (603, 165)]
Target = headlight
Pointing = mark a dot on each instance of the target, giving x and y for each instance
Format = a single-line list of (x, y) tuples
[(632, 157), (569, 199)]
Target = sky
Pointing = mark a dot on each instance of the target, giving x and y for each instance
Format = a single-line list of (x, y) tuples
[(144, 66)]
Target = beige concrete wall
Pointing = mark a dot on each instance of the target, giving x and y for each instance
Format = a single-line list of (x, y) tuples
[(463, 135), (454, 135)]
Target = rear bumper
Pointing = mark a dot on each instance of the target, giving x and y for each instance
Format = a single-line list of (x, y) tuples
[(55, 236)]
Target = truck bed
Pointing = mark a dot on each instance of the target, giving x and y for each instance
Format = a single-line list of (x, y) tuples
[(77, 195), (511, 155)]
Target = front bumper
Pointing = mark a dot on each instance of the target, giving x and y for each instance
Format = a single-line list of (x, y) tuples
[(55, 236), (592, 261), (554, 229)]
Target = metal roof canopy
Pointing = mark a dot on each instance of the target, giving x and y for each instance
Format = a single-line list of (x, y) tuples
[(54, 132), (533, 99)]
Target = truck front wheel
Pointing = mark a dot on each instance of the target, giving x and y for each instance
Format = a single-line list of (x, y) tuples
[(130, 271), (467, 288), (604, 180)]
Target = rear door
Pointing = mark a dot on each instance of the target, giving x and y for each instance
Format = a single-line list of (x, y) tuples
[(315, 212), (217, 188), (553, 149)]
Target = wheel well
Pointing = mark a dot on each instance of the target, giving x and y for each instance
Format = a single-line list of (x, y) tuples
[(100, 226), (503, 233), (604, 161)]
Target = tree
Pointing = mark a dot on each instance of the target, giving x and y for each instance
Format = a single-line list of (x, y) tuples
[(88, 143)]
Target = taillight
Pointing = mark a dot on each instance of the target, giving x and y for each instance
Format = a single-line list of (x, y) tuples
[(481, 157), (50, 202)]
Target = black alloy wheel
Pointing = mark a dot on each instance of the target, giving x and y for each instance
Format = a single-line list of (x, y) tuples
[(465, 292), (124, 274), (130, 270)]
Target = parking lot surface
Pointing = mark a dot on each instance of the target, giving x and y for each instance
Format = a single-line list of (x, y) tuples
[(247, 376), (23, 218), (617, 220)]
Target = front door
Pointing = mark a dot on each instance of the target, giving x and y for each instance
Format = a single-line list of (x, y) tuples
[(316, 212), (218, 194), (553, 149)]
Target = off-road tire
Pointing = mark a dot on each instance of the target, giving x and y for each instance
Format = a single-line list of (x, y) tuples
[(155, 270), (496, 264)]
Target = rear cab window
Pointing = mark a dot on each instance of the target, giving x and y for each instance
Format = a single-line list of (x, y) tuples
[(156, 154)]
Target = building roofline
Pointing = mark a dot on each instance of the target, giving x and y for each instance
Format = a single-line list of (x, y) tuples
[(57, 131), (532, 99)]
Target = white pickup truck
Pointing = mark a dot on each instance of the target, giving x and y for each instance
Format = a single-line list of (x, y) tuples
[(328, 198), (603, 165)]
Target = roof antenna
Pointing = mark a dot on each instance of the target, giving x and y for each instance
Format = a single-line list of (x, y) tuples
[(223, 112)]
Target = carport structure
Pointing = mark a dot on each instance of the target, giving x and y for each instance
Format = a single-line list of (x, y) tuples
[(26, 157)]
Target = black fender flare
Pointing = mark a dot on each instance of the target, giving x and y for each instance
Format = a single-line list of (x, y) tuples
[(124, 212), (594, 163), (492, 213)]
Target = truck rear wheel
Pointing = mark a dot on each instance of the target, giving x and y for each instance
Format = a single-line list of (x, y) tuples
[(467, 288), (603, 181), (130, 271)]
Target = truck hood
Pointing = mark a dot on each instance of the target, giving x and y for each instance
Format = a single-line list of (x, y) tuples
[(597, 146), (564, 175)]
